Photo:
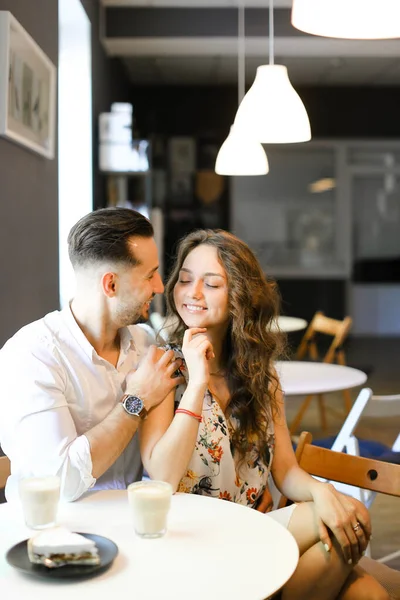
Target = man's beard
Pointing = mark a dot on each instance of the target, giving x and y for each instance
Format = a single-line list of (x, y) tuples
[(134, 315), (130, 316)]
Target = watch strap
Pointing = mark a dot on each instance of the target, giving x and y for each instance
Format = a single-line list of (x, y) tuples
[(142, 414)]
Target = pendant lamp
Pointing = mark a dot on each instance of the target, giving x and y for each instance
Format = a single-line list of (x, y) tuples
[(241, 153), (272, 110), (349, 19)]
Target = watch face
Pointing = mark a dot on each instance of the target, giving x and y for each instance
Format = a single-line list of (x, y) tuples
[(133, 405)]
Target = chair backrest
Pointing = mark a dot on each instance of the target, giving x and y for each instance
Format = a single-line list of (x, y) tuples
[(366, 473), (5, 470), (345, 439), (321, 324), (390, 398)]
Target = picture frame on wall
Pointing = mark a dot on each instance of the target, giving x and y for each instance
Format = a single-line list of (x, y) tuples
[(28, 84), (182, 154)]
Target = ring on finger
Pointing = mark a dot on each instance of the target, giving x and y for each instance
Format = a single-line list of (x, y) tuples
[(356, 527)]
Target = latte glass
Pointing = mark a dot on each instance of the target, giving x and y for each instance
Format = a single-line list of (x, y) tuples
[(150, 502), (39, 498)]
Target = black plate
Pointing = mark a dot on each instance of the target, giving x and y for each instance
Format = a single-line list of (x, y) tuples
[(17, 557)]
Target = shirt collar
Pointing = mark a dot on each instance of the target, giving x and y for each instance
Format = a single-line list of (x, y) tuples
[(126, 339), (77, 331)]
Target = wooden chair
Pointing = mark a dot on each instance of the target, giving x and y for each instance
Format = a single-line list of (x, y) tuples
[(5, 470), (346, 441), (369, 474), (339, 330), (366, 473)]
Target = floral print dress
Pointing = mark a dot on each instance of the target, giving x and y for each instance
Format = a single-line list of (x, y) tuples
[(213, 469)]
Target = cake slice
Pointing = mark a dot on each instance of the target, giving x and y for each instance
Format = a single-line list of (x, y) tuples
[(62, 547)]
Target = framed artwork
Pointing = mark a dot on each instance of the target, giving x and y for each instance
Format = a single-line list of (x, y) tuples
[(182, 154), (28, 81)]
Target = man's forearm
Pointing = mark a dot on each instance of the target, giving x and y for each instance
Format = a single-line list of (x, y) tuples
[(109, 439)]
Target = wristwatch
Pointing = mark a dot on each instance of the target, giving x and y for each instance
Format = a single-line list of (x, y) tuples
[(134, 406)]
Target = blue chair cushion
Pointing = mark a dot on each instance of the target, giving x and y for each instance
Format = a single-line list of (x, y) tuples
[(368, 449), (392, 457)]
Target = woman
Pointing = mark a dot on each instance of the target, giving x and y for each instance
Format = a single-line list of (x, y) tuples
[(229, 430)]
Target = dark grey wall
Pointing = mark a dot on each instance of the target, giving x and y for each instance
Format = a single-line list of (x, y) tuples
[(334, 112), (29, 182), (110, 84), (28, 202)]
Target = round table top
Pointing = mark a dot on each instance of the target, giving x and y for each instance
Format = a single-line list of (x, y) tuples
[(289, 324), (283, 323), (303, 377), (213, 549)]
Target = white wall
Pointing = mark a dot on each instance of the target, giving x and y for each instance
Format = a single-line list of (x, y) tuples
[(75, 129)]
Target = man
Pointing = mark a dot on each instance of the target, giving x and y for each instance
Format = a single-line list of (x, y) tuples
[(76, 384)]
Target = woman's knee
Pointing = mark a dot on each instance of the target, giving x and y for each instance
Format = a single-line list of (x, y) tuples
[(360, 586), (376, 594), (303, 526)]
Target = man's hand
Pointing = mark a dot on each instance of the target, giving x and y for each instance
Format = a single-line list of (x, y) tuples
[(152, 381)]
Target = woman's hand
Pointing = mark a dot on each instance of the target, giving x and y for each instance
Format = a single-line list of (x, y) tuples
[(347, 519), (197, 350), (265, 503)]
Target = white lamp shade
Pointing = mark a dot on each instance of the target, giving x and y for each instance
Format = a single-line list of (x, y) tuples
[(241, 155), (350, 19), (272, 111)]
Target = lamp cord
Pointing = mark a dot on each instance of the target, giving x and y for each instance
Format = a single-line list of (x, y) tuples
[(241, 51), (271, 32)]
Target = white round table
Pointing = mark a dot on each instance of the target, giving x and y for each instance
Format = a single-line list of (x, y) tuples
[(213, 549), (164, 325), (300, 378), (289, 324)]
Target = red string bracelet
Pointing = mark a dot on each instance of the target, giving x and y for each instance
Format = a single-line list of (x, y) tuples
[(199, 418)]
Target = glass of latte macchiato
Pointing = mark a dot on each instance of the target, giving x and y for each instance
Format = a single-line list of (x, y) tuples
[(39, 498), (150, 502)]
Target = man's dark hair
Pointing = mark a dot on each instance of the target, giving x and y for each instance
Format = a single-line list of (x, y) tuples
[(103, 235)]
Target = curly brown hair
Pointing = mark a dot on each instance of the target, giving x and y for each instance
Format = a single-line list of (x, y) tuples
[(250, 346)]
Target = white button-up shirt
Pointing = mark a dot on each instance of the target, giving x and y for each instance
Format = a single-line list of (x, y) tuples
[(53, 388)]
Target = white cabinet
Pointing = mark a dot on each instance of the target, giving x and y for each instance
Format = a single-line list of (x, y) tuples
[(323, 209), (329, 210), (297, 217), (375, 309)]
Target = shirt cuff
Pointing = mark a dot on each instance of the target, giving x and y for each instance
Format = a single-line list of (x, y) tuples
[(76, 477)]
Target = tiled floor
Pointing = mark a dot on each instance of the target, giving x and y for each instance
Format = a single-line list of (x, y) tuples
[(382, 355)]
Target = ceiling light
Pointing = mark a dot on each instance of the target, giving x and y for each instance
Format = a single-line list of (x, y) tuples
[(349, 19), (241, 153), (272, 110)]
